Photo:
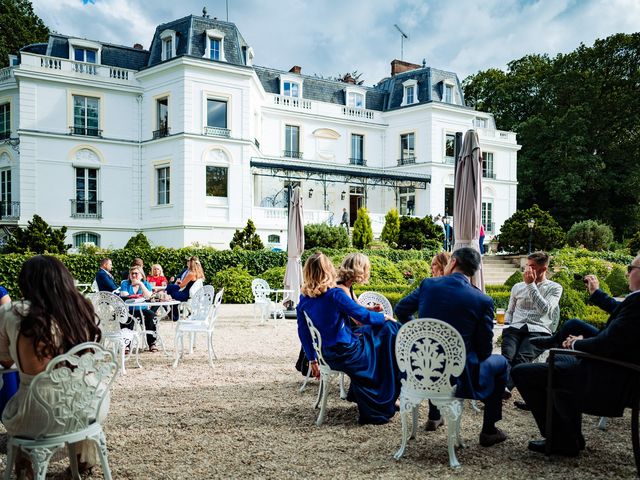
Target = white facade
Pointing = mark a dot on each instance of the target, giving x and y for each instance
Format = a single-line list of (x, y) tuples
[(135, 172)]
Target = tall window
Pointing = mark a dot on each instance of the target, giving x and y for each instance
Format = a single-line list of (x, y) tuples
[(355, 99), (487, 216), (410, 95), (163, 185), (217, 181), (86, 191), (487, 165), (448, 202), (407, 199), (81, 238), (86, 112), (357, 149), (292, 141), (5, 121), (5, 193), (407, 148), (85, 55), (450, 147), (291, 89), (216, 113), (214, 48), (162, 122), (167, 45), (448, 93)]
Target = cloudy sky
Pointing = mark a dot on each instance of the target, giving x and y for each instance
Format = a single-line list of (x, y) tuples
[(329, 37)]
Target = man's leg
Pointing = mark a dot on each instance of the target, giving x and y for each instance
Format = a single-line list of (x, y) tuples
[(490, 435), (570, 327), (511, 338)]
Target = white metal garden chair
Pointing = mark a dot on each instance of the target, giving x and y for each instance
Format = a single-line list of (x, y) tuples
[(72, 390), (261, 291), (430, 352), (201, 319), (325, 373), (369, 299), (113, 312)]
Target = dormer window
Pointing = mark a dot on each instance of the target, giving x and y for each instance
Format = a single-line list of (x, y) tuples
[(214, 45), (291, 89), (410, 92), (355, 99), (168, 38), (447, 92), (84, 51), (85, 55)]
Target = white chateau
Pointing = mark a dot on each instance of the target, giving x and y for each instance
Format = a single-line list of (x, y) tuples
[(187, 140)]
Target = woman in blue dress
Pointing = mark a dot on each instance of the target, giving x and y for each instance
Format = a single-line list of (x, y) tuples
[(10, 381), (137, 287), (367, 358)]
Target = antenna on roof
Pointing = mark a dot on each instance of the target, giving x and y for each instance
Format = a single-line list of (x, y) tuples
[(402, 37), (204, 12), (227, 3)]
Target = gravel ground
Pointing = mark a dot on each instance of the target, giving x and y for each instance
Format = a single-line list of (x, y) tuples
[(244, 418)]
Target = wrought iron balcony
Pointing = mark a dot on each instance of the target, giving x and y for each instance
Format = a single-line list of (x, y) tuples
[(9, 210), (88, 131), (292, 154), (161, 132), (86, 208), (217, 132), (407, 160), (358, 161)]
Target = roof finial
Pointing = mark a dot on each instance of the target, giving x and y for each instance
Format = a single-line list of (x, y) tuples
[(204, 12), (424, 62)]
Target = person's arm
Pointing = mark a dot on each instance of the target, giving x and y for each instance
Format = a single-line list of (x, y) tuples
[(4, 296), (5, 356), (513, 302), (353, 309), (483, 343), (146, 289), (604, 301), (544, 304), (189, 277), (407, 306)]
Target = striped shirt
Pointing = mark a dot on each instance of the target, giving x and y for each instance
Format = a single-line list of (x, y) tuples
[(534, 305)]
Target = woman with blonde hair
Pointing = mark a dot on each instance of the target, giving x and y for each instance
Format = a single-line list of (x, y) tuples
[(438, 263), (157, 278), (355, 268), (368, 358), (180, 290)]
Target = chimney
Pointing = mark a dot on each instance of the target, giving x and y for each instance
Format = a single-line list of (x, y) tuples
[(296, 69), (399, 66), (349, 79), (138, 46)]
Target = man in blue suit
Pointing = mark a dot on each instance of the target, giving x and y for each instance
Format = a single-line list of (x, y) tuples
[(104, 279), (454, 300)]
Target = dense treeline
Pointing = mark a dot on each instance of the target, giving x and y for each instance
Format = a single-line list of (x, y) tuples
[(19, 26), (577, 117)]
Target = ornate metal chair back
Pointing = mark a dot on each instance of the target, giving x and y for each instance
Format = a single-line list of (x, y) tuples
[(111, 310), (367, 299)]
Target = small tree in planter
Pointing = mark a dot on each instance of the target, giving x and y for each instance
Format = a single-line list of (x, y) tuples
[(362, 233), (391, 229)]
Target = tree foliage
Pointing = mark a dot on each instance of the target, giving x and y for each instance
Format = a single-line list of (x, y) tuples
[(247, 238), (419, 233), (37, 237), (19, 26), (139, 240), (322, 235), (577, 117), (362, 233), (590, 234), (391, 229), (545, 235)]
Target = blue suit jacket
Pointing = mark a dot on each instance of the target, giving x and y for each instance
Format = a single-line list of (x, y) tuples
[(455, 301), (105, 282)]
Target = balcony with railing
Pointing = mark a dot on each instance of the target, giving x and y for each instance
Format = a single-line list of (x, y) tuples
[(9, 211), (292, 154), (358, 161), (86, 131), (72, 68), (217, 132), (292, 102), (359, 113), (493, 134), (86, 208), (406, 160), (324, 108), (161, 132), (6, 73)]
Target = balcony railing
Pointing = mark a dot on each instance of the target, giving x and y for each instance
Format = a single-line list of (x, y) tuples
[(358, 161), (6, 73), (407, 160), (4, 135), (88, 131), (86, 208), (357, 113), (162, 132), (9, 210), (64, 66), (291, 154), (489, 175), (217, 132), (292, 102)]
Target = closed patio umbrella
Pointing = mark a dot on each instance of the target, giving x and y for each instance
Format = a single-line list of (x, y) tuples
[(467, 211), (295, 247)]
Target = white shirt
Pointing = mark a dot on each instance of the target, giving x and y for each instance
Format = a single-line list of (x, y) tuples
[(534, 305)]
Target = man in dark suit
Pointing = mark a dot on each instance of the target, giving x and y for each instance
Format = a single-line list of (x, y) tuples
[(454, 300), (104, 279), (584, 386)]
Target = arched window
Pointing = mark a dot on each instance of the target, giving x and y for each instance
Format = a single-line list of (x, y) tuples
[(81, 238)]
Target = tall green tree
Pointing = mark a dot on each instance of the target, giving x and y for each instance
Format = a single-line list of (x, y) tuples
[(37, 237), (391, 229), (362, 233), (19, 26)]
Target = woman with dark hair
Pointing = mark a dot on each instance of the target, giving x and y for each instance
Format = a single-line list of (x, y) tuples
[(52, 318), (368, 358)]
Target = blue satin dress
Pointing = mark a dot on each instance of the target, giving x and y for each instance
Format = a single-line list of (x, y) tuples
[(367, 358)]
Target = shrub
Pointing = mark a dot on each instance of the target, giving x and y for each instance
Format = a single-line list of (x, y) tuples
[(634, 245), (617, 281), (571, 305), (595, 316), (516, 277), (274, 277), (37, 237), (417, 270), (500, 299), (391, 229), (384, 271), (581, 261), (590, 234), (247, 239), (322, 235), (362, 233), (236, 282), (419, 233), (138, 241), (546, 234)]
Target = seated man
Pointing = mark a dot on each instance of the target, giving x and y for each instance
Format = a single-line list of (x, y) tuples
[(588, 386), (104, 279), (454, 300), (532, 305)]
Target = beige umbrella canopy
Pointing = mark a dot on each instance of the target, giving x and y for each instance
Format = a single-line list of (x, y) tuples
[(295, 247), (467, 213)]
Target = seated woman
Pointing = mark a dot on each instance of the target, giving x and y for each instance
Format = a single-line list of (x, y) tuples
[(438, 263), (137, 287), (368, 358), (181, 289), (47, 323), (157, 278), (355, 268)]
